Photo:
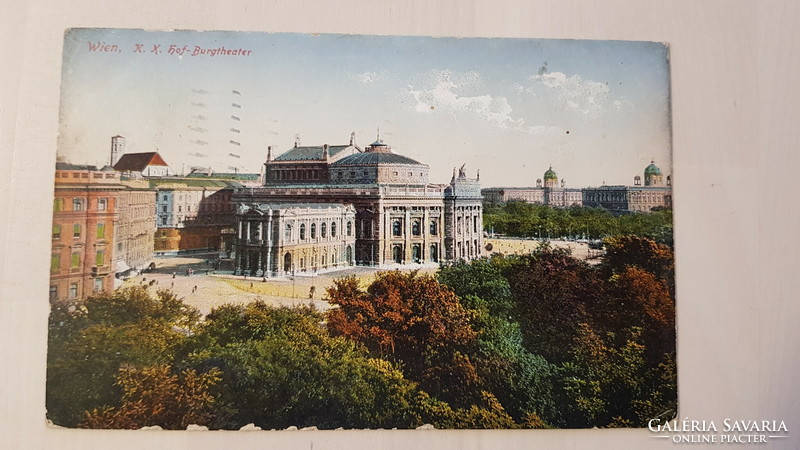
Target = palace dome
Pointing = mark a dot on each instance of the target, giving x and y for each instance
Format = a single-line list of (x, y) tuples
[(652, 169), (550, 175)]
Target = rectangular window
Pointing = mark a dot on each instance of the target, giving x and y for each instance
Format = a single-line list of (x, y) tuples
[(99, 258), (76, 230), (58, 205), (55, 263), (164, 208), (73, 290), (77, 204), (98, 284), (53, 292), (56, 231), (102, 204), (101, 230), (76, 261)]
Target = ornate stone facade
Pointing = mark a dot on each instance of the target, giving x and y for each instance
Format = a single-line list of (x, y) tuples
[(275, 239), (400, 217)]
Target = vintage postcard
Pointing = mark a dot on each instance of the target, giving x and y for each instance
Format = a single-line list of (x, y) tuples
[(287, 231)]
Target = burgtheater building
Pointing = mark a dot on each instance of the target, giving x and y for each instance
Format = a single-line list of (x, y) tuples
[(337, 205)]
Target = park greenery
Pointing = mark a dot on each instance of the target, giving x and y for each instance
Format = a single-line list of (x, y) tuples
[(527, 220), (529, 341)]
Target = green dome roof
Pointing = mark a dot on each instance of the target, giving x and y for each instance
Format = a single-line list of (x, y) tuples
[(550, 175), (652, 169)]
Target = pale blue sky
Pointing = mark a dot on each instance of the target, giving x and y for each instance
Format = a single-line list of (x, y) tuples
[(596, 110)]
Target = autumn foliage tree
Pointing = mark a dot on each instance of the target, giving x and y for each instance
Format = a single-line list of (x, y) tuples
[(552, 291), (414, 320), (155, 396)]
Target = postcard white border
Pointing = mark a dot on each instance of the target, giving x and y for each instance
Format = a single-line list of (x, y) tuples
[(735, 113)]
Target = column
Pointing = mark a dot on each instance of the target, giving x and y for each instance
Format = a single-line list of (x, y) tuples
[(407, 235)]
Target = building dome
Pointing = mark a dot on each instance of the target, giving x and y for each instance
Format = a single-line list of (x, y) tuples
[(652, 169), (550, 175), (652, 175)]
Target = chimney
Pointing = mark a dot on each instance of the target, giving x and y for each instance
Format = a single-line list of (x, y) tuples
[(269, 153), (325, 151)]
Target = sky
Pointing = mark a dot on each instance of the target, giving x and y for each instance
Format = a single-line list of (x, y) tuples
[(596, 111)]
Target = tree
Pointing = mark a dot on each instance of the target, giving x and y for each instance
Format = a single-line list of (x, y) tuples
[(280, 367), (551, 290), (413, 320), (154, 396), (636, 298), (482, 278), (89, 341), (642, 252)]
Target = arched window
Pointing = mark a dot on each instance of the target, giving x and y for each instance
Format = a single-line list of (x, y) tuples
[(397, 254), (313, 231), (349, 228), (434, 227), (302, 231), (287, 262), (434, 254), (333, 229), (397, 227), (323, 230), (416, 253), (287, 232), (416, 227)]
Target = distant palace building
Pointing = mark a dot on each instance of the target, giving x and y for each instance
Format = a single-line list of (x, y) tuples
[(619, 198), (398, 215), (636, 198), (553, 193)]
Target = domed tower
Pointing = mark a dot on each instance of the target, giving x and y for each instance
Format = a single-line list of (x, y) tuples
[(550, 178), (652, 175)]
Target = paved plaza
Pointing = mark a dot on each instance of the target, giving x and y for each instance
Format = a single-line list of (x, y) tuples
[(205, 288), (193, 278)]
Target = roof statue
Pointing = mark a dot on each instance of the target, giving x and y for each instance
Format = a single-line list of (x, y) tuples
[(462, 172)]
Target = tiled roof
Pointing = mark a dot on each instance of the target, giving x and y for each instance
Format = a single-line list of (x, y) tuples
[(310, 153), (374, 158), (137, 162), (69, 166)]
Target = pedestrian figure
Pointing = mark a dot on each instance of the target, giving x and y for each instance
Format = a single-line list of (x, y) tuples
[(194, 289), (251, 285), (311, 292), (173, 274), (172, 285)]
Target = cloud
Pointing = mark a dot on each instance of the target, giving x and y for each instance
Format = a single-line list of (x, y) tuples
[(573, 92), (369, 78), (447, 93)]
